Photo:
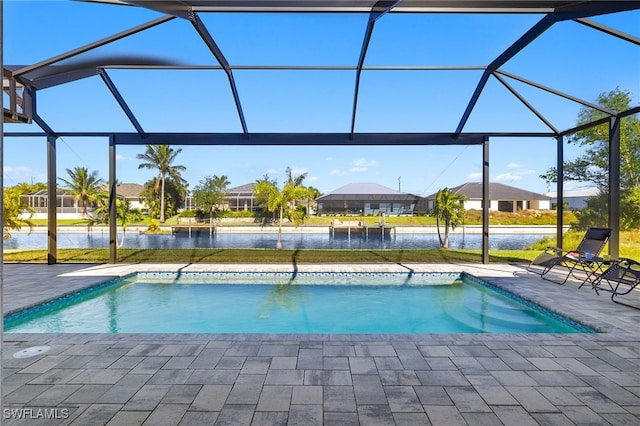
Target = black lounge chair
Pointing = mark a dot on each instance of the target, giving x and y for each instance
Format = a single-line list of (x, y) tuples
[(619, 279), (583, 258)]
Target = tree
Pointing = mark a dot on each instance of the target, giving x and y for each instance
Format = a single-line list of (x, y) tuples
[(84, 186), (312, 194), (298, 214), (161, 157), (210, 193), (12, 212), (448, 208), (26, 188), (174, 195), (592, 165), (124, 214), (278, 201), (295, 181)]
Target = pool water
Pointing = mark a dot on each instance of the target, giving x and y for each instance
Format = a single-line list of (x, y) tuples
[(286, 303)]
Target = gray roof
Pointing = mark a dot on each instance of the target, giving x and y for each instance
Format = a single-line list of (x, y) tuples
[(364, 189), (356, 191), (246, 189), (129, 189), (577, 193), (497, 191)]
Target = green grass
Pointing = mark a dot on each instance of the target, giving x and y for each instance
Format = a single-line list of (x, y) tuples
[(629, 243), (269, 256)]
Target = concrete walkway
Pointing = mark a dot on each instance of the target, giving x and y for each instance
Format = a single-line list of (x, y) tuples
[(439, 379)]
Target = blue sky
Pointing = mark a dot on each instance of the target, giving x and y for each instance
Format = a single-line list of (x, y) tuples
[(313, 101)]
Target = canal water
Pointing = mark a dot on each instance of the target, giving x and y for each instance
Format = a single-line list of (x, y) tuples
[(268, 240)]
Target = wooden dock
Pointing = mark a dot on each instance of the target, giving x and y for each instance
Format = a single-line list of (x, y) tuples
[(193, 229), (358, 228)]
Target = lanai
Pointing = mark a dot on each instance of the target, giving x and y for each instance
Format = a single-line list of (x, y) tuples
[(23, 82)]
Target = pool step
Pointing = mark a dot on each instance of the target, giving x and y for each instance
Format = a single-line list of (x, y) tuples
[(498, 316)]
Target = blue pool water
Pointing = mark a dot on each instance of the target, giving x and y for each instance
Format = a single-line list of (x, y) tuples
[(282, 303)]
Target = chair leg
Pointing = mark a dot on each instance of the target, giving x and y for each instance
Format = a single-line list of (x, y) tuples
[(569, 273), (622, 303)]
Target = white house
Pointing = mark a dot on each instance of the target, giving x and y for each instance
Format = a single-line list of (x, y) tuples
[(574, 199), (131, 192), (368, 198), (502, 198), (67, 207)]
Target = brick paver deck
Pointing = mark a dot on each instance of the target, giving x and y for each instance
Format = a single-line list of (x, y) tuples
[(439, 379)]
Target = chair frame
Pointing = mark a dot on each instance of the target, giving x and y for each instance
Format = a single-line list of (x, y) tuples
[(624, 272), (593, 242)]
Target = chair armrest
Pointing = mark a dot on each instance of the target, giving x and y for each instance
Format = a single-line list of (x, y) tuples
[(627, 263), (562, 252), (554, 250)]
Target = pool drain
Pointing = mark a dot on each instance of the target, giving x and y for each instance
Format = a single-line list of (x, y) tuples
[(32, 351)]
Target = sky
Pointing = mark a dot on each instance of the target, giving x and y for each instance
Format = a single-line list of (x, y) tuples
[(569, 57)]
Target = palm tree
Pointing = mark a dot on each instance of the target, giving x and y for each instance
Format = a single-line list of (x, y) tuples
[(313, 194), (297, 181), (12, 212), (277, 200), (161, 157), (449, 208), (125, 214), (84, 186)]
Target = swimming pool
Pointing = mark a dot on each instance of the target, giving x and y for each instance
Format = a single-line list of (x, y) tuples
[(291, 303)]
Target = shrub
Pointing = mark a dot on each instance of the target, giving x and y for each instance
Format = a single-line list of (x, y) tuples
[(188, 213), (154, 226)]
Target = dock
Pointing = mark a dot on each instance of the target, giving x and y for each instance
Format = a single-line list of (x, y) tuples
[(193, 229), (359, 228)]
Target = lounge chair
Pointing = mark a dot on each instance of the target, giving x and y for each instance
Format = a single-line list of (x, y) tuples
[(583, 258), (620, 279)]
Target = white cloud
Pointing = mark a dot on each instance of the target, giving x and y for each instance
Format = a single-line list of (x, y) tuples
[(509, 177), (312, 179), (519, 169), (297, 171), (525, 172), (336, 172), (474, 175), (15, 175), (363, 162), (362, 165), (274, 171)]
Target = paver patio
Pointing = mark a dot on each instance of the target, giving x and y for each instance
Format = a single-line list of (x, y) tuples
[(331, 379)]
